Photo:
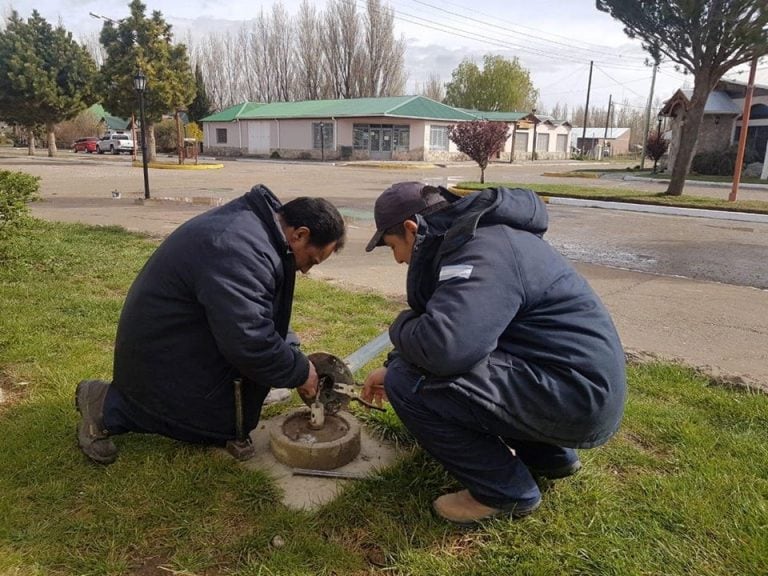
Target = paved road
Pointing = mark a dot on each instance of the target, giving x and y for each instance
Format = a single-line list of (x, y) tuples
[(677, 287)]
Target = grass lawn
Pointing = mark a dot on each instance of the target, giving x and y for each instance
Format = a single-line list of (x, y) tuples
[(682, 489), (633, 196)]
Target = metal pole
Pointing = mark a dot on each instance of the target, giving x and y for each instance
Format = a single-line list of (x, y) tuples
[(144, 145), (744, 130), (535, 123), (607, 122), (368, 352), (658, 135), (648, 116), (586, 112)]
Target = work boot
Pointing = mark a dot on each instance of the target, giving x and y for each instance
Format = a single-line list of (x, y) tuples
[(556, 473), (461, 508), (92, 437)]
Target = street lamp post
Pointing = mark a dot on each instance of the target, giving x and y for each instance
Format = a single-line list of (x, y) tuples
[(140, 84), (535, 123)]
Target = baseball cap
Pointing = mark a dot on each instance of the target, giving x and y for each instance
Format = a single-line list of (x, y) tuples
[(398, 203)]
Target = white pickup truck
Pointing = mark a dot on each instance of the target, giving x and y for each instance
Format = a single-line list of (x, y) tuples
[(115, 143)]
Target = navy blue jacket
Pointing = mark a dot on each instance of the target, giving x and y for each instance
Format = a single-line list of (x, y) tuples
[(500, 316), (211, 304)]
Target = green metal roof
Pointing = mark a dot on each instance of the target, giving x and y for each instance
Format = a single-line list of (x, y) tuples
[(495, 116), (112, 122), (393, 106)]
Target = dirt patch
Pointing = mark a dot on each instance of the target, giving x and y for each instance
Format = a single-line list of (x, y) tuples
[(12, 391)]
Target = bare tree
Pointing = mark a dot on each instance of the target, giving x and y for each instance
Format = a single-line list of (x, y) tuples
[(341, 41), (281, 52), (433, 88), (384, 55), (309, 69)]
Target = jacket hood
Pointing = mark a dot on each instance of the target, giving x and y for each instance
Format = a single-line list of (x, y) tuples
[(517, 208)]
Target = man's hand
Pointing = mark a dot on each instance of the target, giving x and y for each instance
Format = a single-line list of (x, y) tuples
[(373, 387), (308, 390)]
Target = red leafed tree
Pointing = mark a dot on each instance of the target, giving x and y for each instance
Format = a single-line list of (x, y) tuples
[(480, 140)]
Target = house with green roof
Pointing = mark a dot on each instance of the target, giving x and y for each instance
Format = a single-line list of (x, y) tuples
[(390, 128)]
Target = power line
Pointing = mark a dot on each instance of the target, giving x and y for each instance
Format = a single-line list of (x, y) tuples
[(489, 39), (508, 30)]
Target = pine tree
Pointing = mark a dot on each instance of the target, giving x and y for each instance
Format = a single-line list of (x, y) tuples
[(45, 76)]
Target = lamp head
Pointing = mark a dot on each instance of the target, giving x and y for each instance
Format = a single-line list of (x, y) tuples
[(140, 81)]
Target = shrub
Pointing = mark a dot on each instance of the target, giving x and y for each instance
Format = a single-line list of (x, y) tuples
[(16, 190), (275, 155), (166, 136), (84, 124), (721, 162)]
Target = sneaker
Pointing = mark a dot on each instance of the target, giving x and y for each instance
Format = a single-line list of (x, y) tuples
[(92, 438), (557, 473), (461, 508)]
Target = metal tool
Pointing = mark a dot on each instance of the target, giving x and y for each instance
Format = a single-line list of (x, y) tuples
[(328, 474), (337, 387), (241, 448)]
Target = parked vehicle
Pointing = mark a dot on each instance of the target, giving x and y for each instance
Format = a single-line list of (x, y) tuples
[(115, 143), (88, 144)]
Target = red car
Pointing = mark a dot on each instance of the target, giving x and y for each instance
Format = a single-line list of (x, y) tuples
[(88, 144)]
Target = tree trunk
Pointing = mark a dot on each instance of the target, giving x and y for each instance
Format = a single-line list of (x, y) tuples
[(151, 143), (49, 127), (482, 175), (689, 131), (30, 142)]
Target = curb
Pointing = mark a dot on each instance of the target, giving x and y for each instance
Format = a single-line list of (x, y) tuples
[(162, 166), (702, 183), (197, 200), (653, 209)]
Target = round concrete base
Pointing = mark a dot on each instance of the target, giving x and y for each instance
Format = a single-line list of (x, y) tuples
[(295, 444)]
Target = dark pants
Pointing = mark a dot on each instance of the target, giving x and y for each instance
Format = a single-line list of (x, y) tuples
[(471, 443), (121, 417)]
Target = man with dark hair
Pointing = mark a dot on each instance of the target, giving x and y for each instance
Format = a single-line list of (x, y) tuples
[(507, 360), (204, 332)]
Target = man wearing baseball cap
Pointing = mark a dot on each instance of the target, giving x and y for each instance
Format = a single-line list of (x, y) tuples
[(506, 360)]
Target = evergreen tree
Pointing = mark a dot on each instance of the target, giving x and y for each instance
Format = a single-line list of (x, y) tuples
[(45, 76), (141, 43), (201, 105)]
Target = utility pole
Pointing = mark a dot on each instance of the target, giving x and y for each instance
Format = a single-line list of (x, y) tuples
[(586, 111), (648, 115), (607, 121), (744, 130)]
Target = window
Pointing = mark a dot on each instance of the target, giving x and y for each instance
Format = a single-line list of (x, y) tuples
[(221, 135), (438, 137), (376, 137), (521, 141), (402, 137), (542, 142), (326, 141), (562, 142)]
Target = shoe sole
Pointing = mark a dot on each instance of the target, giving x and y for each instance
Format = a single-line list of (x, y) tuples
[(81, 432), (514, 514)]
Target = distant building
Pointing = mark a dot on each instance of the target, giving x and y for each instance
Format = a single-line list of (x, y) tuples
[(390, 128), (600, 142), (722, 123)]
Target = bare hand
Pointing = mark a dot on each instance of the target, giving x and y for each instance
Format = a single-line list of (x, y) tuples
[(308, 390), (373, 387)]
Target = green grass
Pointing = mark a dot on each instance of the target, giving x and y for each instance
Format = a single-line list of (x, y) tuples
[(682, 489), (621, 195)]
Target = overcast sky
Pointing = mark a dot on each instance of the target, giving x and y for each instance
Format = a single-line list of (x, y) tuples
[(555, 42)]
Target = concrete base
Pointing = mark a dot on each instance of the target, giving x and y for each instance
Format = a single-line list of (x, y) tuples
[(306, 492)]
